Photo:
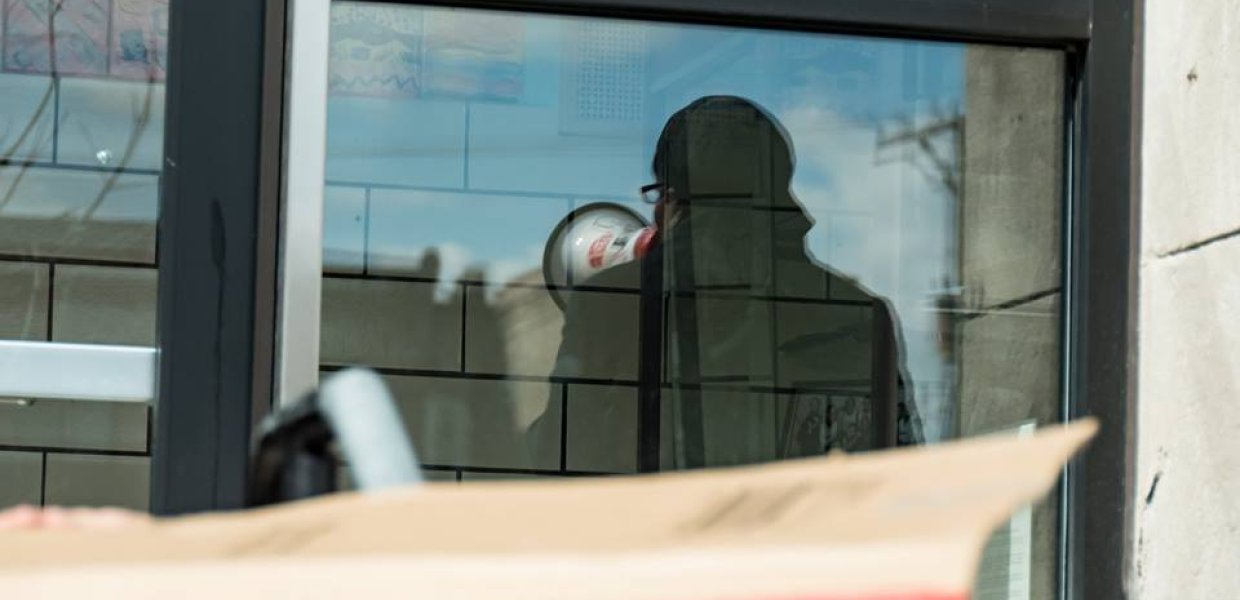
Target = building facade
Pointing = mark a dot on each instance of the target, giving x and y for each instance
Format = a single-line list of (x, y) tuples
[(903, 223)]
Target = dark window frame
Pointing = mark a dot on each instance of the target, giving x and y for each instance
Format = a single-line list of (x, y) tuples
[(218, 227), (220, 220)]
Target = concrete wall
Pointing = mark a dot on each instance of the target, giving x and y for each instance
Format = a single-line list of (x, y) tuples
[(1188, 506), (1008, 338)]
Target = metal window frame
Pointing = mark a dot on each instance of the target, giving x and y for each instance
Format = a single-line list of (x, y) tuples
[(219, 254), (217, 248), (301, 243), (1104, 253)]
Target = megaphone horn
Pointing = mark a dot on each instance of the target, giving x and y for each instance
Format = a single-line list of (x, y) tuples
[(590, 239)]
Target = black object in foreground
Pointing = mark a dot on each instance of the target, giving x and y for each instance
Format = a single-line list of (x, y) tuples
[(293, 456)]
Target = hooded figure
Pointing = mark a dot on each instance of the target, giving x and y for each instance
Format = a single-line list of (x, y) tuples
[(748, 349)]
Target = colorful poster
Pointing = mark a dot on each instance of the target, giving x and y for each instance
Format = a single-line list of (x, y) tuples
[(375, 50), (475, 56), (139, 39), (67, 36)]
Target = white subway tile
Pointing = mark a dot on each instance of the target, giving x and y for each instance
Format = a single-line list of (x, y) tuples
[(511, 330), (395, 141), (104, 120), (603, 343), (602, 429), (71, 424), (78, 214), (473, 423), (395, 324), (344, 229), (27, 106), (522, 148), (21, 478), (477, 237), (738, 427), (23, 301), (823, 344), (86, 480), (104, 305)]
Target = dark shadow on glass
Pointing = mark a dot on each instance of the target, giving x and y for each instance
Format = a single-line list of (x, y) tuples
[(750, 350)]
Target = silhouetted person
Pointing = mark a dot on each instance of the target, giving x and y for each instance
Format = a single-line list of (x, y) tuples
[(748, 349)]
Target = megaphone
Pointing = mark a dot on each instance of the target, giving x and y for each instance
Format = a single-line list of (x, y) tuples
[(592, 238)]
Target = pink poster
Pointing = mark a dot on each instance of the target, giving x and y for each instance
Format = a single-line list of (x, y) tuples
[(474, 55), (139, 39), (376, 50), (65, 36)]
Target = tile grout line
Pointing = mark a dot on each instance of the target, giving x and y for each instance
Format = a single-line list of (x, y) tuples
[(366, 234), (107, 68), (59, 166), (464, 324), (465, 150), (564, 428), (78, 262), (73, 451), (43, 480), (55, 118), (51, 298)]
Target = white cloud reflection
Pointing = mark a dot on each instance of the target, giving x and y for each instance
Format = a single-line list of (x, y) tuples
[(885, 225)]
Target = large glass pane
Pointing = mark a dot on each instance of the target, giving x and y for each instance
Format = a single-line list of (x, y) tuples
[(580, 245), (81, 132)]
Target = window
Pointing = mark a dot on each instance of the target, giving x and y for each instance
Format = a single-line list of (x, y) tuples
[(81, 132), (856, 244)]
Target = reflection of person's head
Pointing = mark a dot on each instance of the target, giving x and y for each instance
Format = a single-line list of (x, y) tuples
[(724, 148)]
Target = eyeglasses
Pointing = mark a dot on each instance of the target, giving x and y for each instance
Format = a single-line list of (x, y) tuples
[(653, 192)]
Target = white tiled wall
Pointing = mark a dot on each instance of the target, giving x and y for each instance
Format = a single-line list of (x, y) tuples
[(78, 208), (470, 361)]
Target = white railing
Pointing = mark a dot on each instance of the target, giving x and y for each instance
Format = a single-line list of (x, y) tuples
[(50, 370)]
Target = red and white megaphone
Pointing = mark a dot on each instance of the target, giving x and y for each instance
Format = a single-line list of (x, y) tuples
[(593, 238)]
